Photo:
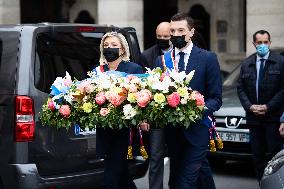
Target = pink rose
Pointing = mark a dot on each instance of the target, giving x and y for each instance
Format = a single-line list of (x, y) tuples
[(132, 88), (100, 98), (67, 82), (104, 112), (198, 97), (65, 111), (85, 86), (174, 99), (116, 99), (143, 97), (51, 105)]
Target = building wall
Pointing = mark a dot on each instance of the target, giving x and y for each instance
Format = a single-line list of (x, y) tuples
[(267, 15), (260, 14), (229, 44), (122, 13), (9, 11)]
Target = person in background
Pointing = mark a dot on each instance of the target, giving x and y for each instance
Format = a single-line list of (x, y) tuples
[(188, 147), (84, 17), (199, 41), (162, 45), (112, 144), (261, 92), (156, 135)]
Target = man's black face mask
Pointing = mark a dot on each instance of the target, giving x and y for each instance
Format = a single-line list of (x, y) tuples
[(163, 43), (178, 41), (111, 54)]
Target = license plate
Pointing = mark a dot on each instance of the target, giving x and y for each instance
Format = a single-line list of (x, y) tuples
[(234, 137), (87, 131)]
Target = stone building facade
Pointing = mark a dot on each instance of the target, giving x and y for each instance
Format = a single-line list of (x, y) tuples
[(227, 26)]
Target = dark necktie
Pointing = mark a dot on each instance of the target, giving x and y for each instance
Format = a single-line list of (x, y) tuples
[(260, 72), (181, 62)]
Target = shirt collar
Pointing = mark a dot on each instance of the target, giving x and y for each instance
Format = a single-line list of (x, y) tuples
[(186, 51), (265, 57)]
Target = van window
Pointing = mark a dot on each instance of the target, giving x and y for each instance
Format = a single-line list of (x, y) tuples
[(9, 42), (76, 53)]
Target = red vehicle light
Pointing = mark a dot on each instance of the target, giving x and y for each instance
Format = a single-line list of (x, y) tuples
[(24, 119), (86, 29)]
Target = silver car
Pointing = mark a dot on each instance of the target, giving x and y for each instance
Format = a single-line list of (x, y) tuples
[(231, 122), (273, 177)]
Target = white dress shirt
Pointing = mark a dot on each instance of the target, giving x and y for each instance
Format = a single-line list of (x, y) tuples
[(258, 62), (186, 51)]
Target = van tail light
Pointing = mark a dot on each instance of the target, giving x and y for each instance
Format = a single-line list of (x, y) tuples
[(86, 29), (24, 119)]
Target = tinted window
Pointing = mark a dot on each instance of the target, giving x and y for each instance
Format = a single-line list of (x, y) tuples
[(9, 41), (76, 53)]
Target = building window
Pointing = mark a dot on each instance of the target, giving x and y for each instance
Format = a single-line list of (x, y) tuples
[(222, 45)]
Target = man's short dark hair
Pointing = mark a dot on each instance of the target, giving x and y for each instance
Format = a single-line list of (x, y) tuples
[(260, 32), (183, 16)]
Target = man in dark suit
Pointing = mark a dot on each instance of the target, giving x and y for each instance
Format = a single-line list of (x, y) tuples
[(188, 147), (156, 135), (261, 92), (163, 45)]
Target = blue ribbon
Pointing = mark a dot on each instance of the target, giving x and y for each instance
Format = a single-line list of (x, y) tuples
[(168, 60), (55, 91)]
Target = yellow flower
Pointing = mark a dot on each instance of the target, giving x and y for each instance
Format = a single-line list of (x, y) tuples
[(87, 107), (182, 91), (159, 98), (131, 97), (117, 90)]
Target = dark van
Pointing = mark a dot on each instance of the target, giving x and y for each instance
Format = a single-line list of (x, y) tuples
[(33, 156)]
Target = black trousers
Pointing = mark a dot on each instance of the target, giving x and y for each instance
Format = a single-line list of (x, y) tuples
[(265, 142), (156, 160), (189, 167), (116, 175)]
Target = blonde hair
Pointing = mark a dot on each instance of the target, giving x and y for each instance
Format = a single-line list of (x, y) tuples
[(125, 56)]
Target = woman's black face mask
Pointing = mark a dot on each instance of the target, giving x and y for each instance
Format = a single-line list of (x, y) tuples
[(178, 41), (111, 54)]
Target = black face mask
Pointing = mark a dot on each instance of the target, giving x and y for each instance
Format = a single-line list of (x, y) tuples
[(178, 41), (111, 54), (163, 43)]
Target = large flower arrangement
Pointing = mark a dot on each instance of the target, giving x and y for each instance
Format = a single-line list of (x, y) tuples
[(117, 100), (172, 102)]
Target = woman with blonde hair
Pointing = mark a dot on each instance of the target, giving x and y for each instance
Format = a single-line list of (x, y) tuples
[(112, 144)]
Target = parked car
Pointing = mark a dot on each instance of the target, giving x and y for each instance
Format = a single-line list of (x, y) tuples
[(33, 156), (231, 122), (273, 177), (224, 74)]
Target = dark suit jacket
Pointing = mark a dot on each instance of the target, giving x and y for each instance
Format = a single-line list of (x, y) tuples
[(105, 138), (271, 91), (148, 57), (206, 80)]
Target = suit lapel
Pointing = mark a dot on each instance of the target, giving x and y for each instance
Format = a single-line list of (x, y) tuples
[(193, 59)]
